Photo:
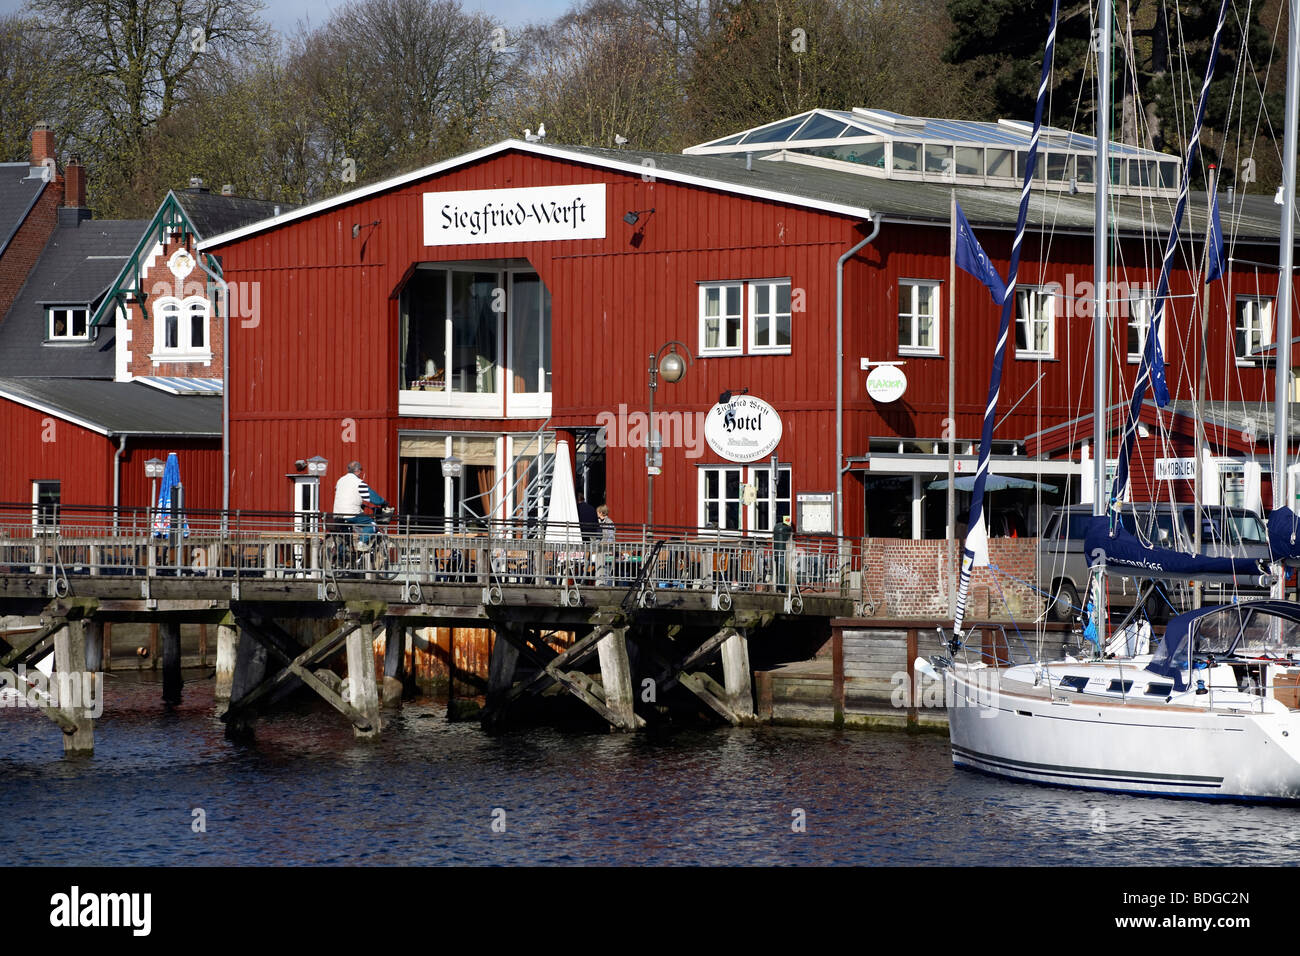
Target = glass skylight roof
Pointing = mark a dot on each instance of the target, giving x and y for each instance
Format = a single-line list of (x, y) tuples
[(884, 143)]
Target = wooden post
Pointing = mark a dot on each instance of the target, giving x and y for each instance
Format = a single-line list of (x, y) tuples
[(394, 652), (171, 664), (616, 677), (107, 657), (153, 646), (837, 673), (501, 677), (362, 693), (203, 645), (95, 655), (74, 700), (912, 645), (250, 670), (736, 676), (227, 639)]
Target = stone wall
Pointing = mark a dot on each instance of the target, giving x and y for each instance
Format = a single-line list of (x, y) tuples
[(905, 578)]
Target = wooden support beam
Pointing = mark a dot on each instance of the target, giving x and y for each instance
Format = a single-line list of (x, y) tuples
[(737, 677), (394, 659), (293, 670), (362, 693), (29, 646), (707, 689), (74, 700), (569, 657), (171, 661), (250, 670), (501, 677), (227, 640), (616, 679)]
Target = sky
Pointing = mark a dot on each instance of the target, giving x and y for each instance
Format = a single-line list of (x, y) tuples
[(285, 14)]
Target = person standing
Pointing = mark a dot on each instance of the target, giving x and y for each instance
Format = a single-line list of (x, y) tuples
[(781, 548), (588, 519), (608, 534)]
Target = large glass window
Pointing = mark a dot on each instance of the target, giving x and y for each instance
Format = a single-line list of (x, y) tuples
[(433, 499), (1254, 326), (530, 328), (736, 498), (918, 312), (720, 307), (769, 316), (180, 328), (46, 496), (476, 301)]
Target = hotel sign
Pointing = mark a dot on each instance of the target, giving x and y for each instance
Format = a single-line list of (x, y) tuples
[(535, 214), (744, 429)]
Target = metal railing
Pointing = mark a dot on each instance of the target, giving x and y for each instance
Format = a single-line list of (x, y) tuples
[(69, 543)]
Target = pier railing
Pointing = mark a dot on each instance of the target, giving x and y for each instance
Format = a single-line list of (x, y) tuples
[(68, 542)]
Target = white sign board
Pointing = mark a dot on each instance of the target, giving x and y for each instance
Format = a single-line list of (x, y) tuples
[(1175, 469), (744, 429), (534, 214), (816, 513), (886, 383)]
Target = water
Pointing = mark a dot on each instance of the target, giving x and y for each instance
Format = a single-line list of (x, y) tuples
[(429, 791)]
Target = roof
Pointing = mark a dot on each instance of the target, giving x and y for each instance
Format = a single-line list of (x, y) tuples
[(18, 193), (837, 192), (76, 267), (812, 182), (177, 385), (115, 409), (211, 213)]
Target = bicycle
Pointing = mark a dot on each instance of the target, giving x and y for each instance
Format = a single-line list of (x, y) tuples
[(344, 552)]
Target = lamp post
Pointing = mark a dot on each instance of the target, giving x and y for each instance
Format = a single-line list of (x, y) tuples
[(671, 368), (153, 470)]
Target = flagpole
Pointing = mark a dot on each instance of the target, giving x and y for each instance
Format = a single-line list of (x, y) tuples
[(1201, 372), (952, 404)]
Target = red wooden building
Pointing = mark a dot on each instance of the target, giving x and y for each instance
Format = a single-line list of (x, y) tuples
[(478, 307)]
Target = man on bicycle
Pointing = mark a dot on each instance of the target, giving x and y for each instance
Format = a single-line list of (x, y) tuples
[(351, 497)]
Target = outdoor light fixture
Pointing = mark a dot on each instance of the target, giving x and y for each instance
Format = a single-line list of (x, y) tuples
[(357, 227), (316, 465), (634, 216), (671, 368), (452, 467), (726, 397), (153, 468), (300, 464)]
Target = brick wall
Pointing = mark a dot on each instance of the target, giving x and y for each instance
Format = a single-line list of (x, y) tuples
[(22, 252), (909, 579), (158, 281)]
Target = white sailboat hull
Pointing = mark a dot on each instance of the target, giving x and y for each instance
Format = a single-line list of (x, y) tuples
[(1003, 726)]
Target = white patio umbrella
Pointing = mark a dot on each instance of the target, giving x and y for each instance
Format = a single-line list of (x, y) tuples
[(562, 510)]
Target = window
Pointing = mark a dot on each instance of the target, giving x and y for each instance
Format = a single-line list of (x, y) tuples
[(720, 319), (181, 329), (769, 316), (918, 313), (725, 503), (46, 496), (725, 307), (1035, 323), (530, 334), (67, 324), (1254, 327), (1140, 303)]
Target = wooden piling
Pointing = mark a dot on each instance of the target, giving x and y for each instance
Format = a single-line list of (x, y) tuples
[(69, 673), (394, 655), (736, 676), (501, 677), (107, 657), (171, 662), (250, 670), (362, 693), (616, 677), (227, 639)]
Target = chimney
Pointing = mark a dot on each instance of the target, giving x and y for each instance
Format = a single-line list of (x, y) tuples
[(74, 190), (42, 145), (196, 183), (228, 189)]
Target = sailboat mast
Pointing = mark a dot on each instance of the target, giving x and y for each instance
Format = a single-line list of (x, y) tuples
[(1100, 268), (1282, 382)]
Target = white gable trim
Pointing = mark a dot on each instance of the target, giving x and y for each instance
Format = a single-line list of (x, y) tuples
[(538, 149), (57, 413)]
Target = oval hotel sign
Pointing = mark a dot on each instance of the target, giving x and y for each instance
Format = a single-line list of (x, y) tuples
[(745, 429), (533, 214), (886, 383)]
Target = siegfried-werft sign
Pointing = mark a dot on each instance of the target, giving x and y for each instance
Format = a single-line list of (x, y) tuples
[(535, 214), (744, 429)]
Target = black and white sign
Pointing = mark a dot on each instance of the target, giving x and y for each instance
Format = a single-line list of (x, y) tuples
[(745, 429), (535, 214)]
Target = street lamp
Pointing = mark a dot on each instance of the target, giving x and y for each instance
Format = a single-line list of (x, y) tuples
[(671, 367), (153, 470), (316, 465)]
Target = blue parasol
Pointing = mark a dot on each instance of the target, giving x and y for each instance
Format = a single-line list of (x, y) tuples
[(171, 478)]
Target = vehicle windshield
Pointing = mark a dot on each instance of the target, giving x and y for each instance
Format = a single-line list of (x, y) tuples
[(1233, 526)]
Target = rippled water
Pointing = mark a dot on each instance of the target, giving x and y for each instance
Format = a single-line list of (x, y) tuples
[(428, 792)]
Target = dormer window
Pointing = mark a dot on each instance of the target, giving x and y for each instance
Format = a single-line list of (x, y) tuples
[(181, 330), (65, 323)]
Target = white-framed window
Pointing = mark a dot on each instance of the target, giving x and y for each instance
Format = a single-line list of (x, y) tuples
[(918, 317), (67, 323), (720, 318), (1141, 303), (769, 316), (725, 506), (181, 329), (46, 498), (1035, 323), (1253, 329)]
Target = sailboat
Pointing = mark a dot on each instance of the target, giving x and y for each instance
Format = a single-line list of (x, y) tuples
[(1214, 712)]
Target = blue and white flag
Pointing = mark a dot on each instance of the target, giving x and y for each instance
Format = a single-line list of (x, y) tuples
[(1217, 262), (972, 258), (1156, 359)]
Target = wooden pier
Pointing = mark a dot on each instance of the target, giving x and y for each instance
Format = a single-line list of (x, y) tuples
[(623, 626)]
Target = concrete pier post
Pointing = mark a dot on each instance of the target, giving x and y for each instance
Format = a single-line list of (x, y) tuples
[(170, 634), (362, 692), (227, 640), (616, 677), (394, 659), (69, 675), (736, 675)]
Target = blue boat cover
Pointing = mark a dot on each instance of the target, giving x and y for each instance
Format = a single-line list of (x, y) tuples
[(1123, 550), (1284, 534), (1171, 657)]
